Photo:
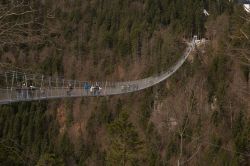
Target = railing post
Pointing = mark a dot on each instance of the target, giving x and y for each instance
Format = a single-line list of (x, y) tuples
[(41, 88), (74, 89), (12, 82), (49, 86), (80, 88), (57, 89), (26, 85), (105, 88), (63, 89), (6, 79)]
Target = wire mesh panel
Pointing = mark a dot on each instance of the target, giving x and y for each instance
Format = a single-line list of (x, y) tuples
[(20, 86)]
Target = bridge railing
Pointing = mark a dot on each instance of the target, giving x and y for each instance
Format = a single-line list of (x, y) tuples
[(18, 87)]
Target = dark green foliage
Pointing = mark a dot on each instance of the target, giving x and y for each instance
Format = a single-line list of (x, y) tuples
[(69, 112), (76, 16), (84, 154), (125, 143), (217, 142), (153, 145), (32, 131), (104, 114), (109, 33), (52, 64), (172, 149), (90, 149), (217, 78), (241, 135), (193, 102), (65, 148), (11, 154), (108, 40), (246, 70), (50, 160), (124, 26), (216, 118), (218, 81), (70, 118), (146, 109)]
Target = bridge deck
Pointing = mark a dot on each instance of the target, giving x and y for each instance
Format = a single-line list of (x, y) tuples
[(10, 95)]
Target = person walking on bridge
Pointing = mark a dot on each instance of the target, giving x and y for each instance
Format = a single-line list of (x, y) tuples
[(18, 91), (86, 87), (70, 88)]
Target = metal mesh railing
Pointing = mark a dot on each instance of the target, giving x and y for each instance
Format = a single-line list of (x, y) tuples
[(18, 86)]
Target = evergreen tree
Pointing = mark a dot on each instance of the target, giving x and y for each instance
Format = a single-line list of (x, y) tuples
[(125, 142), (49, 160)]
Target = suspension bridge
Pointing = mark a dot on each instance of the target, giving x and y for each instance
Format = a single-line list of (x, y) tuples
[(19, 86)]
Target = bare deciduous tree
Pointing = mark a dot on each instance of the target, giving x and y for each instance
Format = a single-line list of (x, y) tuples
[(19, 23)]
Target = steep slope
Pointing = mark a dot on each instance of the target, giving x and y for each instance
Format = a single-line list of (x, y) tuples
[(200, 116)]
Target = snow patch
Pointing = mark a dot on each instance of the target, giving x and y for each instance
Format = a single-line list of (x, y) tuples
[(247, 7)]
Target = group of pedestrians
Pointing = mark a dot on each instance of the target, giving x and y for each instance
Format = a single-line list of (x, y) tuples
[(88, 88), (24, 91), (92, 89)]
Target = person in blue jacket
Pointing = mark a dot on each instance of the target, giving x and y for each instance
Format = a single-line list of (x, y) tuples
[(86, 87)]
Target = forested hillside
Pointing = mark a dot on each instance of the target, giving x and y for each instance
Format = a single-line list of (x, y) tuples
[(200, 116)]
